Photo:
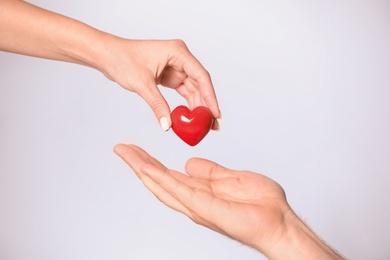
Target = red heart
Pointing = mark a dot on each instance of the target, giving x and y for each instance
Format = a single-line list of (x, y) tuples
[(191, 126)]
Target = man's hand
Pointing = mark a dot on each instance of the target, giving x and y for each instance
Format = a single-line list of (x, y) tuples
[(243, 205)]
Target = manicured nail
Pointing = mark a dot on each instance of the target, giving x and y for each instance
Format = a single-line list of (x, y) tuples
[(164, 123)]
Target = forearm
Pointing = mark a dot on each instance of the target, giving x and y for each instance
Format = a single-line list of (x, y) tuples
[(300, 242), (30, 30)]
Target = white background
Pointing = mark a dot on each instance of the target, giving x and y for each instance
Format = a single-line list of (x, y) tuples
[(304, 89)]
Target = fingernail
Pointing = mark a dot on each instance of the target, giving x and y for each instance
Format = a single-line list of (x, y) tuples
[(164, 123), (216, 125)]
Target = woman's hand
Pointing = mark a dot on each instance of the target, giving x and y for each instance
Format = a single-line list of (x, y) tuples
[(136, 65), (141, 65)]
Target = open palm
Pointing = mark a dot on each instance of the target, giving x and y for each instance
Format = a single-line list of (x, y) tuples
[(243, 205)]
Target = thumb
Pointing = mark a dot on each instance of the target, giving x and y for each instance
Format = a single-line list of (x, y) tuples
[(160, 107)]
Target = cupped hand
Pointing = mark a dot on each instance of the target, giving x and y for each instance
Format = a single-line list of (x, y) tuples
[(243, 205), (141, 65)]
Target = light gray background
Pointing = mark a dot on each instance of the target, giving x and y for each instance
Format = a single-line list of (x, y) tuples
[(304, 90)]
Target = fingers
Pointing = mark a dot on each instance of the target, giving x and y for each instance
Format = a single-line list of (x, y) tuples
[(191, 94), (183, 72), (197, 204), (198, 76), (161, 194), (205, 169), (138, 159), (174, 189), (158, 104), (135, 157), (200, 79)]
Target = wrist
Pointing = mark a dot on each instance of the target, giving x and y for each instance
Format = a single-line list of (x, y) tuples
[(300, 242), (88, 47)]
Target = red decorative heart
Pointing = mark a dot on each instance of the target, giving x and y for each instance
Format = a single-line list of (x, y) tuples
[(191, 126)]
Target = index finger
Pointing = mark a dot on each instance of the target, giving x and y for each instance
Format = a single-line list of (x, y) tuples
[(200, 78), (197, 75)]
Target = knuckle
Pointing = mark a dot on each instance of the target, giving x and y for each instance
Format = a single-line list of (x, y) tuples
[(204, 76), (179, 43)]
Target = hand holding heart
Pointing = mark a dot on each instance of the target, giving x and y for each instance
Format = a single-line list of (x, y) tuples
[(140, 66)]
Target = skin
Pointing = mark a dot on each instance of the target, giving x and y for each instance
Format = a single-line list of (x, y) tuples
[(243, 205), (137, 65)]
